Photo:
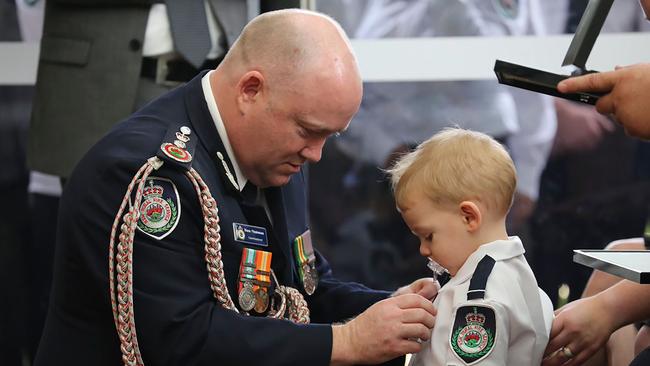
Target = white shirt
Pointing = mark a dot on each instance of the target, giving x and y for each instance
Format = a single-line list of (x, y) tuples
[(536, 116), (524, 313), (241, 179), (221, 129)]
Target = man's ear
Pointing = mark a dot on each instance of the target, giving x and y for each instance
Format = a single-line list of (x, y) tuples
[(249, 88), (471, 215)]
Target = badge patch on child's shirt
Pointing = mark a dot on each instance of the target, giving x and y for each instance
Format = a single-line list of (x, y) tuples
[(474, 333)]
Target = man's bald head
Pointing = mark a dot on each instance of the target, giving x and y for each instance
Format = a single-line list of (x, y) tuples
[(289, 82), (288, 44)]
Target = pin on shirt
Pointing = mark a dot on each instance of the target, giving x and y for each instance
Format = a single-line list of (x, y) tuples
[(230, 176), (176, 150)]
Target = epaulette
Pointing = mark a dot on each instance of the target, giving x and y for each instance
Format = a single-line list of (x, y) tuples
[(178, 146), (479, 279)]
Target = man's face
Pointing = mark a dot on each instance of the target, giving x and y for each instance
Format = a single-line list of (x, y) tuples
[(288, 128)]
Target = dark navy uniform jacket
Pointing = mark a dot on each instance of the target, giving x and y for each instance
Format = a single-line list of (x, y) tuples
[(177, 319)]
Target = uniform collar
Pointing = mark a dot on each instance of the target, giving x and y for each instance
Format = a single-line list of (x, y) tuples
[(221, 129), (499, 250)]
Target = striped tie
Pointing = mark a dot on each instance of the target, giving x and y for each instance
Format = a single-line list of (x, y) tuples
[(189, 27)]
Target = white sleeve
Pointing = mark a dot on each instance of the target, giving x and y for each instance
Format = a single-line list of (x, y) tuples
[(531, 145)]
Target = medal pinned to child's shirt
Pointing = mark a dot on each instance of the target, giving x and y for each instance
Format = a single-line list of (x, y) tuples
[(306, 261)]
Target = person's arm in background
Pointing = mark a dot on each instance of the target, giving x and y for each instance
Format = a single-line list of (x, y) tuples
[(579, 128), (627, 93), (585, 325), (531, 145), (530, 148)]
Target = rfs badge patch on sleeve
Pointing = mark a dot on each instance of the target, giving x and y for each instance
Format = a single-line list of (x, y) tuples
[(474, 333), (160, 210)]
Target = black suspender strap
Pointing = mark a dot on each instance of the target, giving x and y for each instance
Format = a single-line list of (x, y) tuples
[(479, 278)]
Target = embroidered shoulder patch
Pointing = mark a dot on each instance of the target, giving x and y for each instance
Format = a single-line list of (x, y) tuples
[(474, 333), (160, 209)]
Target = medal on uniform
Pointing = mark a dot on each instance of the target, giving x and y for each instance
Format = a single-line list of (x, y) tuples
[(247, 296), (306, 261), (254, 280), (309, 279), (474, 333), (177, 150), (261, 300)]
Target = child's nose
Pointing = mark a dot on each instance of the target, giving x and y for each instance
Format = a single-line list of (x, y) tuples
[(424, 249)]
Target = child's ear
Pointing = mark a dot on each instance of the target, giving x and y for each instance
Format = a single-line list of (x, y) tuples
[(471, 215)]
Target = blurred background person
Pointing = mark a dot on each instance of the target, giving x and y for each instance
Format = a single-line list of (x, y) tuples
[(397, 115), (592, 208), (594, 189)]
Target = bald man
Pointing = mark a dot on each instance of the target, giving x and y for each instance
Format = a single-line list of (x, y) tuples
[(148, 271)]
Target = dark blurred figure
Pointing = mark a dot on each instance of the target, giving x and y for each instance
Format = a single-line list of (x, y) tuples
[(14, 117)]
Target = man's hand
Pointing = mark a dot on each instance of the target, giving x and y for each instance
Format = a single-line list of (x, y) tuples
[(628, 92), (390, 328), (582, 326), (424, 287)]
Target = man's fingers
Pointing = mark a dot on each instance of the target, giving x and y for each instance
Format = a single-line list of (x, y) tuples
[(414, 331), (429, 289), (409, 301), (597, 82), (418, 316), (409, 346)]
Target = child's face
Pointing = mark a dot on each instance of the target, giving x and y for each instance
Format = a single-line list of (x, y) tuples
[(442, 231)]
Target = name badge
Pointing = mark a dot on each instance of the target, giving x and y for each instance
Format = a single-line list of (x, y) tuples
[(249, 234)]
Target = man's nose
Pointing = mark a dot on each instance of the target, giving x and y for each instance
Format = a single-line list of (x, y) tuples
[(313, 151)]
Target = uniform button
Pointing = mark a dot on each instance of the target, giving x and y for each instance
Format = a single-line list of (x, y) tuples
[(135, 45)]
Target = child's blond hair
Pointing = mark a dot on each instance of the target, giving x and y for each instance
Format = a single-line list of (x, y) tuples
[(455, 165)]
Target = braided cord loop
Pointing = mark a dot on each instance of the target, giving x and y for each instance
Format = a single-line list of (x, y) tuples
[(122, 299), (120, 259), (212, 240)]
